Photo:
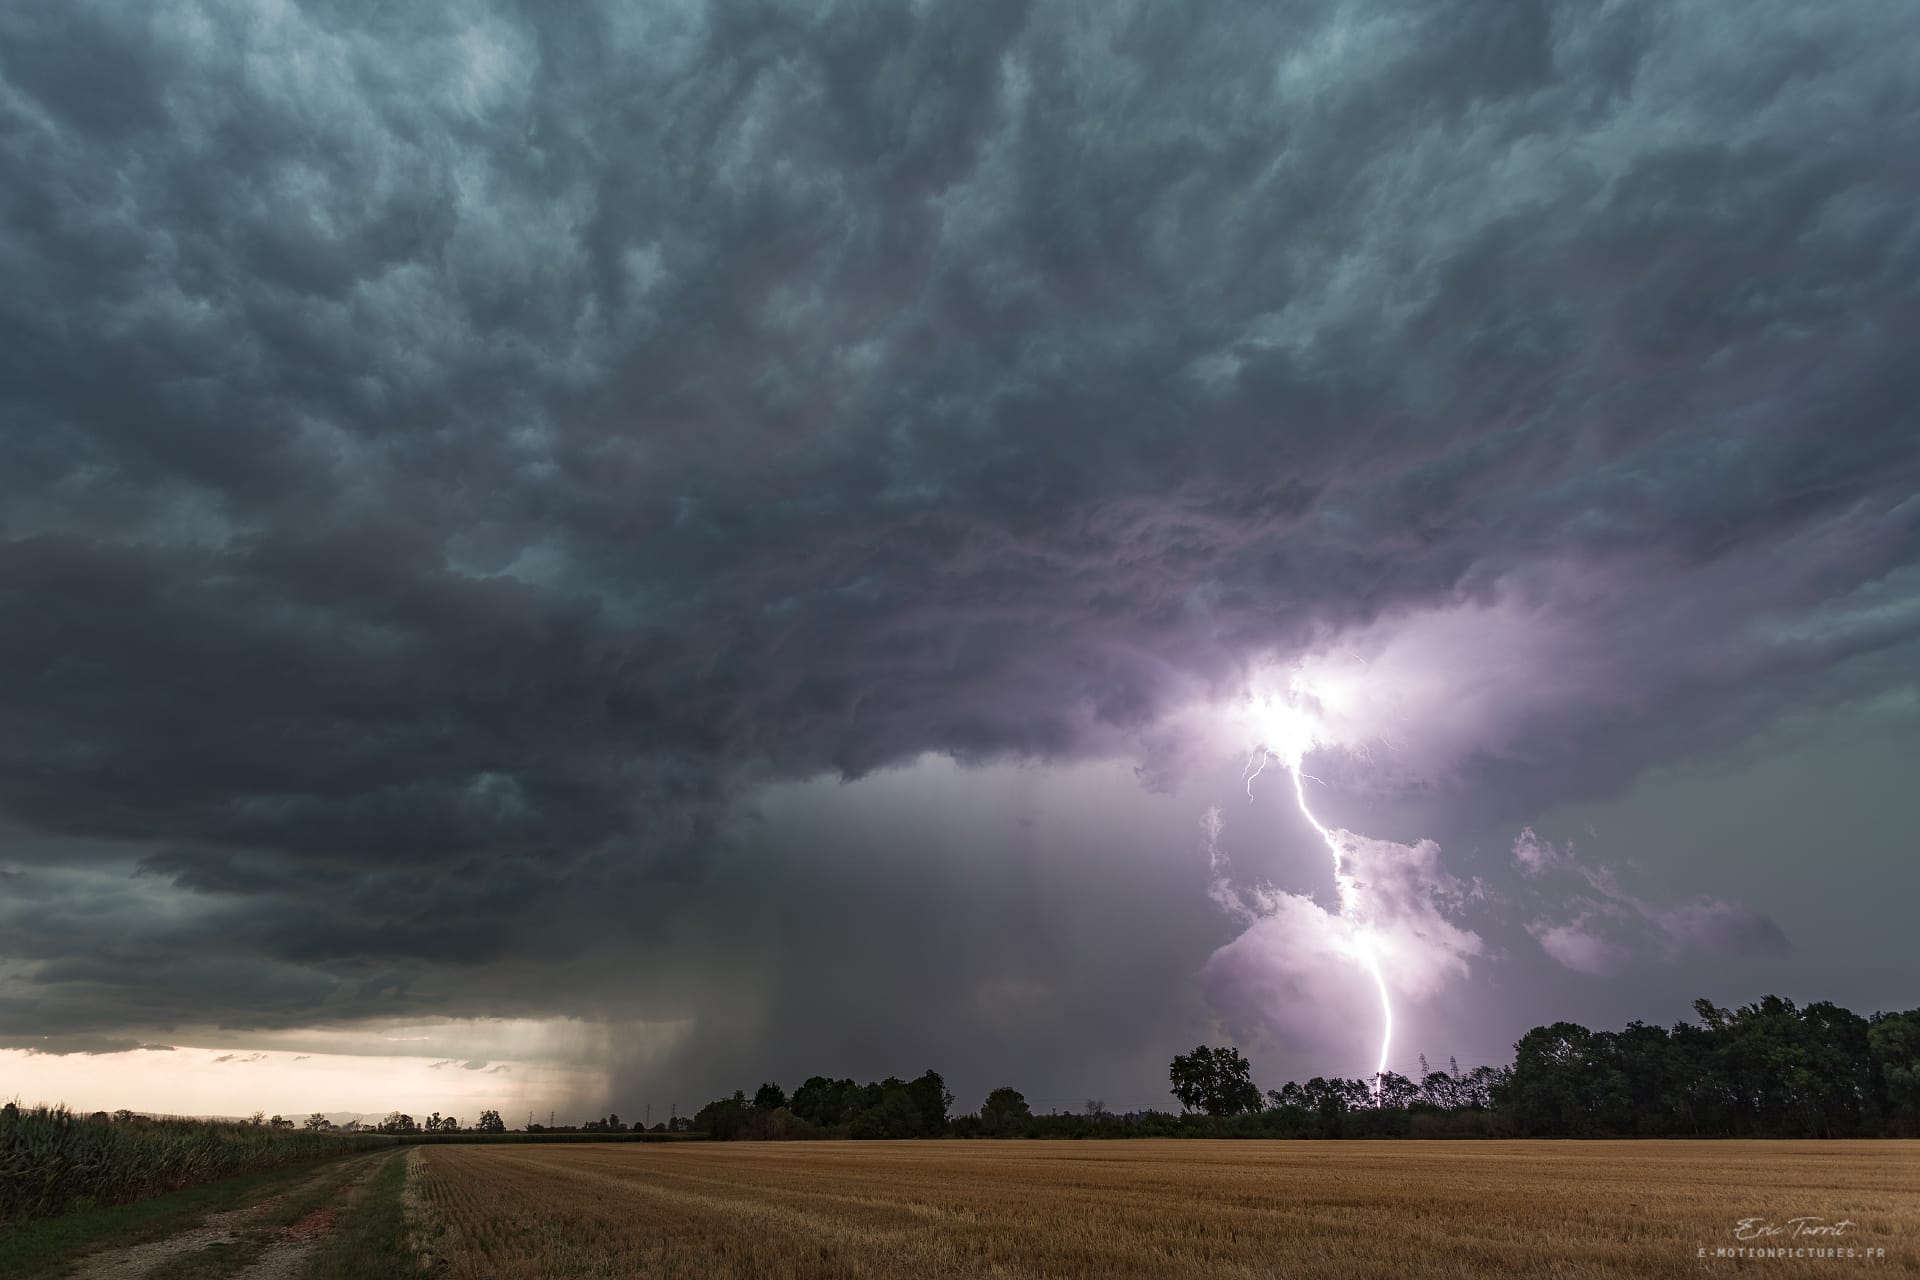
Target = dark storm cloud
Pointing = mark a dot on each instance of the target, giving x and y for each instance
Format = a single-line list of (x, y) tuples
[(448, 450), (91, 1045)]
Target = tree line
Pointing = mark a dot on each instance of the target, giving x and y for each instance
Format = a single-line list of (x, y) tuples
[(401, 1123), (824, 1108), (1767, 1069)]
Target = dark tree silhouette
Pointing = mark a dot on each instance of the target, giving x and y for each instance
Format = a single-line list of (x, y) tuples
[(1005, 1112), (1216, 1081)]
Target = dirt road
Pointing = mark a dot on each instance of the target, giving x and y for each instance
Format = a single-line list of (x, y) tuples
[(269, 1240)]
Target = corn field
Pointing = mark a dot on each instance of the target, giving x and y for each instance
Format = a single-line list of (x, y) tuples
[(53, 1161)]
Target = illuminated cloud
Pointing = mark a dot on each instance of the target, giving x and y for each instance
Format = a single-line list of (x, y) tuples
[(1597, 927), (1295, 977)]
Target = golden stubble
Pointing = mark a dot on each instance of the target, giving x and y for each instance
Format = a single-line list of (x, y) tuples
[(1159, 1208)]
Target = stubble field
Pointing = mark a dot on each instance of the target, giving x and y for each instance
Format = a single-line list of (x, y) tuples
[(1175, 1208)]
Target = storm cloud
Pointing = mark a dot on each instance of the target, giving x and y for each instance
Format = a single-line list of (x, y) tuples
[(455, 458), (1597, 926)]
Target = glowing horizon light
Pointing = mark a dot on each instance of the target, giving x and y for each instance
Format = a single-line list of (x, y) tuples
[(1289, 731)]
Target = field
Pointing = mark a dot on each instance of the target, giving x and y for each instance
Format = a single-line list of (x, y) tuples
[(1147, 1208), (53, 1161)]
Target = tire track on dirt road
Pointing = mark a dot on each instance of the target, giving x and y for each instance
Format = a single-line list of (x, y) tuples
[(283, 1251)]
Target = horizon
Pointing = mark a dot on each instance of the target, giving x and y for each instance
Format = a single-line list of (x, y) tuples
[(642, 1112)]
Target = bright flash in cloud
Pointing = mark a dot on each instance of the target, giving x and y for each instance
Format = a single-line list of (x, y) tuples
[(1289, 729), (1315, 976)]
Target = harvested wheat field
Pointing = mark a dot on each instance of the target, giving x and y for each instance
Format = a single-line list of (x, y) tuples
[(1174, 1208)]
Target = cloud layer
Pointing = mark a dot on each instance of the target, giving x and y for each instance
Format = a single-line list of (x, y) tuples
[(1593, 925), (453, 454)]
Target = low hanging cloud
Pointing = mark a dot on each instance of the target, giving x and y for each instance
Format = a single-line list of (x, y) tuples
[(1595, 926), (90, 1045)]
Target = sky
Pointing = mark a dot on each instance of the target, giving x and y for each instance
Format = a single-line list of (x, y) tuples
[(567, 558)]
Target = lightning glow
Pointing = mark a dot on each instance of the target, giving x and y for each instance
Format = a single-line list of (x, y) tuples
[(1289, 726)]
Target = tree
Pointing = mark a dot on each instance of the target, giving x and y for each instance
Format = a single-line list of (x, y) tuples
[(490, 1122), (723, 1119), (449, 1125), (1391, 1089), (1328, 1099), (433, 1123), (895, 1115), (1439, 1089), (1216, 1081), (317, 1122), (1840, 1050), (931, 1098), (1564, 1081), (1005, 1111), (1356, 1094), (1476, 1088), (826, 1102), (399, 1122), (769, 1097), (280, 1122)]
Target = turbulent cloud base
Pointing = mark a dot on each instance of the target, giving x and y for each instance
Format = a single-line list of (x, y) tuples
[(457, 457)]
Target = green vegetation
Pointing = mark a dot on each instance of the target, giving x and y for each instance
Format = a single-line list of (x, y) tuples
[(43, 1247), (261, 1232), (372, 1242), (1770, 1069), (53, 1161), (823, 1108), (1216, 1081)]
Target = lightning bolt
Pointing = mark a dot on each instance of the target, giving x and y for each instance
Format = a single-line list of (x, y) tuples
[(1349, 894), (1295, 728)]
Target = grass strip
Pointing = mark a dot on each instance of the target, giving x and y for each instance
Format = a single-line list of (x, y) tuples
[(217, 1261), (371, 1242), (48, 1247)]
